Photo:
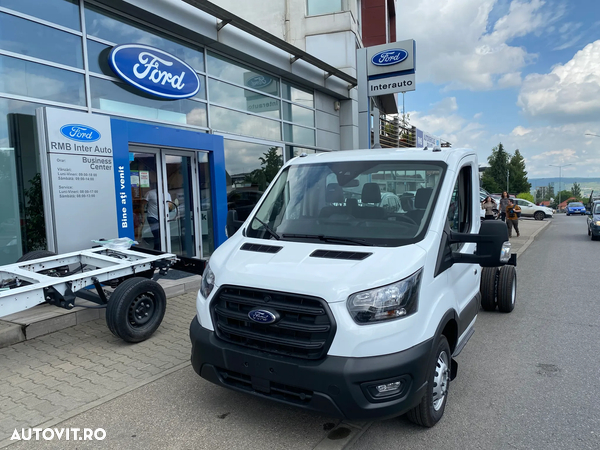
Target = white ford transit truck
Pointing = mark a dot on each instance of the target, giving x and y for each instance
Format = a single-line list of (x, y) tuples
[(327, 300)]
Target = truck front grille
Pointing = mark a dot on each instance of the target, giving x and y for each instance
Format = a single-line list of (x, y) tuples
[(304, 327)]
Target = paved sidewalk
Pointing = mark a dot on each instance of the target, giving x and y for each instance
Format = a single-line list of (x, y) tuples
[(54, 377)]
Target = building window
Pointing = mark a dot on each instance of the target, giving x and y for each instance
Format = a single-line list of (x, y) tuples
[(112, 28), (39, 81), (40, 41), (120, 98), (61, 12), (317, 7)]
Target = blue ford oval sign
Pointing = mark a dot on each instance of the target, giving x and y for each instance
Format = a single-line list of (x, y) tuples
[(81, 133), (154, 71), (389, 57), (262, 316)]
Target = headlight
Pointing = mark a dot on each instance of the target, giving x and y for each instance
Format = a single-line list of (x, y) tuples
[(208, 282), (393, 301), (505, 252), (597, 223)]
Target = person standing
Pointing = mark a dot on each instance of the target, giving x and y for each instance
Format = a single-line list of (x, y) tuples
[(488, 205), (152, 214), (503, 205), (512, 218)]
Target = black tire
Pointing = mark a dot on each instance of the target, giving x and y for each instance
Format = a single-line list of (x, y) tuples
[(539, 215), (36, 254), (507, 289), (594, 238), (427, 413), (136, 309), (568, 214), (488, 288)]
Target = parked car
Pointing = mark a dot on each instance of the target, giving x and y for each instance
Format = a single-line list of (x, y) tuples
[(529, 209), (593, 221), (575, 208)]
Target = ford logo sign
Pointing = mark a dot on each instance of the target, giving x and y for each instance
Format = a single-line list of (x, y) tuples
[(259, 81), (262, 316), (81, 133), (154, 71), (389, 57)]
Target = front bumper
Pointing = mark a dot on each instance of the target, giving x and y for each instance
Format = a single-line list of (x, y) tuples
[(576, 211), (334, 386), (595, 230)]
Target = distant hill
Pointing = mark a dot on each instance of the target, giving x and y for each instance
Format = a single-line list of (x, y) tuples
[(566, 182), (587, 184)]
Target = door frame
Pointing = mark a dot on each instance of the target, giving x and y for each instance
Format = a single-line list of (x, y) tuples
[(125, 133)]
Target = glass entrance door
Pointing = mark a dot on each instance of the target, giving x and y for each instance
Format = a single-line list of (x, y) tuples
[(164, 191), (180, 188)]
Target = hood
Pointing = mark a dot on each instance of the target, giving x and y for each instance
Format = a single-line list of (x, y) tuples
[(293, 269)]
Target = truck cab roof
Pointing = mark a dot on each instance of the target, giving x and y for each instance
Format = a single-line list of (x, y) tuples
[(449, 156)]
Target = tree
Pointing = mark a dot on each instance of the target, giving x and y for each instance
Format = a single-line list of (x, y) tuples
[(270, 162), (526, 196), (576, 190), (518, 175), (499, 162)]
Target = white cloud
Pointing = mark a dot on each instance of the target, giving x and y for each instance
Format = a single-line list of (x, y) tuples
[(510, 80), (572, 89), (520, 131), (456, 47)]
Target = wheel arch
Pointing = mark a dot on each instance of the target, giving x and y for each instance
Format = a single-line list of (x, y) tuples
[(449, 327)]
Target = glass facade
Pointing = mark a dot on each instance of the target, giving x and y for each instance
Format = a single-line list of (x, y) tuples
[(42, 63)]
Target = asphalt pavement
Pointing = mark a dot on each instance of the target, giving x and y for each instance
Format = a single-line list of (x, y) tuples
[(147, 396)]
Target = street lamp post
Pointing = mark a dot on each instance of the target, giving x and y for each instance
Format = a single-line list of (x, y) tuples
[(560, 179)]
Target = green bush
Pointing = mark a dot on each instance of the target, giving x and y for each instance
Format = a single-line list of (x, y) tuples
[(526, 196)]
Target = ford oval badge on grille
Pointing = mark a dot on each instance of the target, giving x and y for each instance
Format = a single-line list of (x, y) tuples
[(262, 316)]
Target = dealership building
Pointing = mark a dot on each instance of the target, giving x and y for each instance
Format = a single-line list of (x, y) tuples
[(148, 119)]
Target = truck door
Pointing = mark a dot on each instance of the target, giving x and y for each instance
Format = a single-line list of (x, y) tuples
[(463, 217)]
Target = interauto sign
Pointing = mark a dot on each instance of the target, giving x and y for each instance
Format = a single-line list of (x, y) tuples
[(80, 133), (154, 71), (389, 57)]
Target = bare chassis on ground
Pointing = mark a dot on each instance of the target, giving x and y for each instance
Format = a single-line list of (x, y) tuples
[(134, 310)]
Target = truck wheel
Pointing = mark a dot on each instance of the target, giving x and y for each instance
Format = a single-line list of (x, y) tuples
[(488, 288), (135, 309), (431, 409), (507, 289), (539, 215)]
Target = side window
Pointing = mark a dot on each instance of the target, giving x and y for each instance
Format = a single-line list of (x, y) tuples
[(460, 212)]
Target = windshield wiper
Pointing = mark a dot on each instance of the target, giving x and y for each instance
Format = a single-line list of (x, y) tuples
[(324, 238), (269, 229)]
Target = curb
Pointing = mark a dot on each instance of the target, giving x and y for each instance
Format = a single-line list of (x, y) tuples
[(45, 319)]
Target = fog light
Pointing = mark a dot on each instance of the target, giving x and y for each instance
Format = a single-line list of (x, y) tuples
[(389, 388)]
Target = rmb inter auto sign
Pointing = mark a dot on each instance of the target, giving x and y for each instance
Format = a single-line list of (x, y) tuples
[(154, 71), (80, 133), (389, 57)]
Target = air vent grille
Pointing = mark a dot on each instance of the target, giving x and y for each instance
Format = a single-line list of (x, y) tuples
[(260, 248), (333, 254)]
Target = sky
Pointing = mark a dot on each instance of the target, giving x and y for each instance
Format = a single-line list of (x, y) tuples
[(524, 73)]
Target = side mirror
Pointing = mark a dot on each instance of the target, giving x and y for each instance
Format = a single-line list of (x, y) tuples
[(493, 247), (233, 224)]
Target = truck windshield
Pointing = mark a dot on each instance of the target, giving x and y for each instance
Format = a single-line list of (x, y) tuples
[(382, 203)]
